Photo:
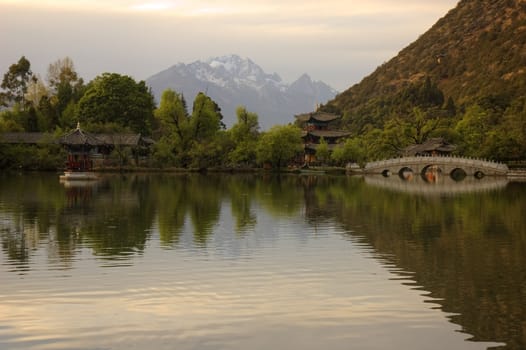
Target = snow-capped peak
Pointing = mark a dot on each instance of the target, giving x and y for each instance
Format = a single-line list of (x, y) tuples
[(242, 70)]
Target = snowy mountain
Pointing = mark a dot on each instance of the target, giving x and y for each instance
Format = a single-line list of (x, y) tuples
[(232, 81)]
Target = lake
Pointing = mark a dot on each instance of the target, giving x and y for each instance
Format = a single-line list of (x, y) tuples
[(190, 261)]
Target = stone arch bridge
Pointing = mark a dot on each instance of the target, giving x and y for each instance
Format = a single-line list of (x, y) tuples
[(443, 164)]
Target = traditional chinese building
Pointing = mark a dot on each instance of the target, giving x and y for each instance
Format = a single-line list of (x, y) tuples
[(318, 125), (432, 147), (87, 149)]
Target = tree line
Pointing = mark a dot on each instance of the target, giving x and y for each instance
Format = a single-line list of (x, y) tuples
[(494, 127), (115, 103)]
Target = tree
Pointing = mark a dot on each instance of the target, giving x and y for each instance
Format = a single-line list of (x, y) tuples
[(244, 135), (205, 145), (473, 130), (65, 86), (15, 82), (421, 127), (172, 115), (279, 145), (61, 71), (206, 119), (174, 129), (322, 152), (36, 90), (116, 98)]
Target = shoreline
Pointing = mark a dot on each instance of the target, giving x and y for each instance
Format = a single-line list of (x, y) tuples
[(512, 175)]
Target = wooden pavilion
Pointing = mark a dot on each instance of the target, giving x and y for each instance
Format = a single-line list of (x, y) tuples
[(80, 145), (87, 149)]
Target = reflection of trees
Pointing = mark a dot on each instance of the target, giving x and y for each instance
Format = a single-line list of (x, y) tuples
[(241, 192), (29, 206), (122, 218), (280, 194), (204, 205), (196, 197), (466, 250), (43, 211), (171, 195)]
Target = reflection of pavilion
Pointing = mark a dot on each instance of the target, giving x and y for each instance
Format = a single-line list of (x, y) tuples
[(439, 186), (79, 193)]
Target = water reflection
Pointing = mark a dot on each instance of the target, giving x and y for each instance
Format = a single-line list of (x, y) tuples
[(465, 250), (433, 183)]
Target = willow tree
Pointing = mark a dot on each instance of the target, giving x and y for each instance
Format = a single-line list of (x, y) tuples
[(279, 145), (244, 135), (173, 129), (207, 145), (206, 119)]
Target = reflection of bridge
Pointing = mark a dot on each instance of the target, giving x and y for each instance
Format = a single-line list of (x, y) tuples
[(442, 164), (444, 186)]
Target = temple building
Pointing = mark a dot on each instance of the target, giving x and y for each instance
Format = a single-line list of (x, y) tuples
[(318, 125)]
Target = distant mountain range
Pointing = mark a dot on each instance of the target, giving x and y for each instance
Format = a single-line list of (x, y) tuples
[(232, 81)]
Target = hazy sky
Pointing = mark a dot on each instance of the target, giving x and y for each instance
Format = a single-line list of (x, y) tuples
[(336, 41)]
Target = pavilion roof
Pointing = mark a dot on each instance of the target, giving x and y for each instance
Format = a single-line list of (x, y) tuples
[(434, 144), (317, 116), (79, 137)]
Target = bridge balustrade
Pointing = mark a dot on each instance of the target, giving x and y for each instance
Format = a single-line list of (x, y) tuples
[(480, 165)]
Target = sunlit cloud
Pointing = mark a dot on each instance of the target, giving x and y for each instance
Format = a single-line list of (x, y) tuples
[(152, 6)]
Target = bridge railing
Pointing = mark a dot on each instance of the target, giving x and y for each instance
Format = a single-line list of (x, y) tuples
[(461, 161)]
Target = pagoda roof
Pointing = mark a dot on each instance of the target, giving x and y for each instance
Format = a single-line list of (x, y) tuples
[(317, 116), (326, 133)]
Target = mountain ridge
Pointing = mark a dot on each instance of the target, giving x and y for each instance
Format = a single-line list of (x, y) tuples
[(231, 81), (476, 51)]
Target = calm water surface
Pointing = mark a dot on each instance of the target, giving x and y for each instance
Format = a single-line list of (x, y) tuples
[(259, 262)]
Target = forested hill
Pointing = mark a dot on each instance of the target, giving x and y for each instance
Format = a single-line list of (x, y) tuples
[(476, 54)]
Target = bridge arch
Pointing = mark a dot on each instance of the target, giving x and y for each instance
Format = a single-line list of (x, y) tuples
[(458, 174), (479, 174), (431, 172), (406, 173)]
